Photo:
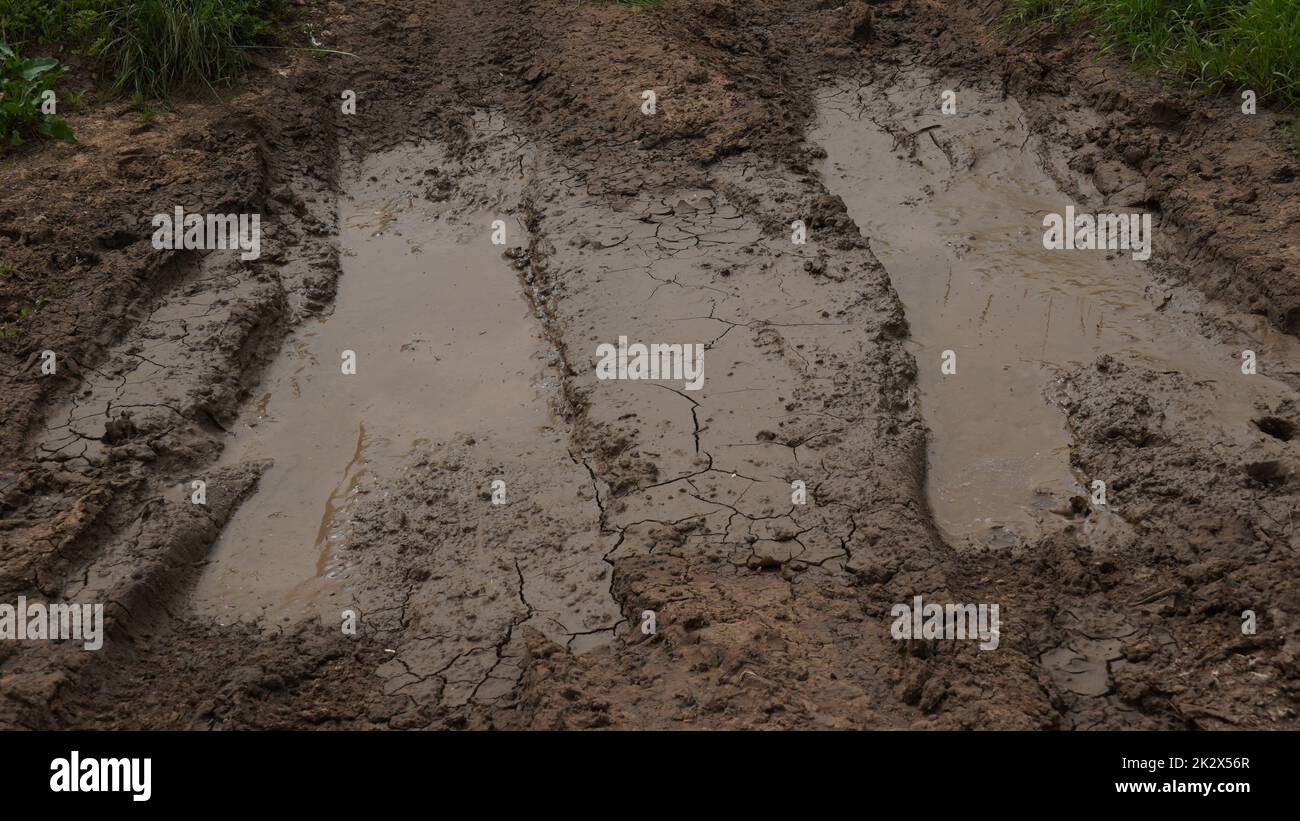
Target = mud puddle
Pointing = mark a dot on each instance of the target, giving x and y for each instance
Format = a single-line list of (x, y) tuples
[(953, 207), (443, 343)]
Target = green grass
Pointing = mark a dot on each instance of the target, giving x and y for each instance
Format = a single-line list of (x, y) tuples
[(150, 47), (67, 22), (153, 46), (25, 21), (1219, 44)]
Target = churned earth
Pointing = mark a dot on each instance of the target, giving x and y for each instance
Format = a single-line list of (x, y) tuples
[(469, 528)]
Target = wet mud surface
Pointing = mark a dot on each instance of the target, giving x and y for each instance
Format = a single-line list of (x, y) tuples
[(429, 336), (469, 529), (953, 206)]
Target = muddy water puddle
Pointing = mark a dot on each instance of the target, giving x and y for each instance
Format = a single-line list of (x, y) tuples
[(953, 206), (443, 343)]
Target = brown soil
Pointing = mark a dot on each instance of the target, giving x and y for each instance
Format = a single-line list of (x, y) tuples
[(625, 497)]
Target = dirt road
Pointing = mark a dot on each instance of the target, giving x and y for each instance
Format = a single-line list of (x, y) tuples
[(426, 502)]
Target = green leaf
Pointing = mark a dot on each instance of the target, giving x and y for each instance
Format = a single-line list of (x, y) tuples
[(5, 51), (57, 128), (31, 69)]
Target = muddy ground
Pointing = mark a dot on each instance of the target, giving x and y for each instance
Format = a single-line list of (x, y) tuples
[(372, 494)]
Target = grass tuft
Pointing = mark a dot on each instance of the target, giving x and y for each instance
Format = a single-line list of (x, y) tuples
[(150, 47), (1219, 44)]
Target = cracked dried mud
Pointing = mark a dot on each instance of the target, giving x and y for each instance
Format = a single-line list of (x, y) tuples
[(497, 518)]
